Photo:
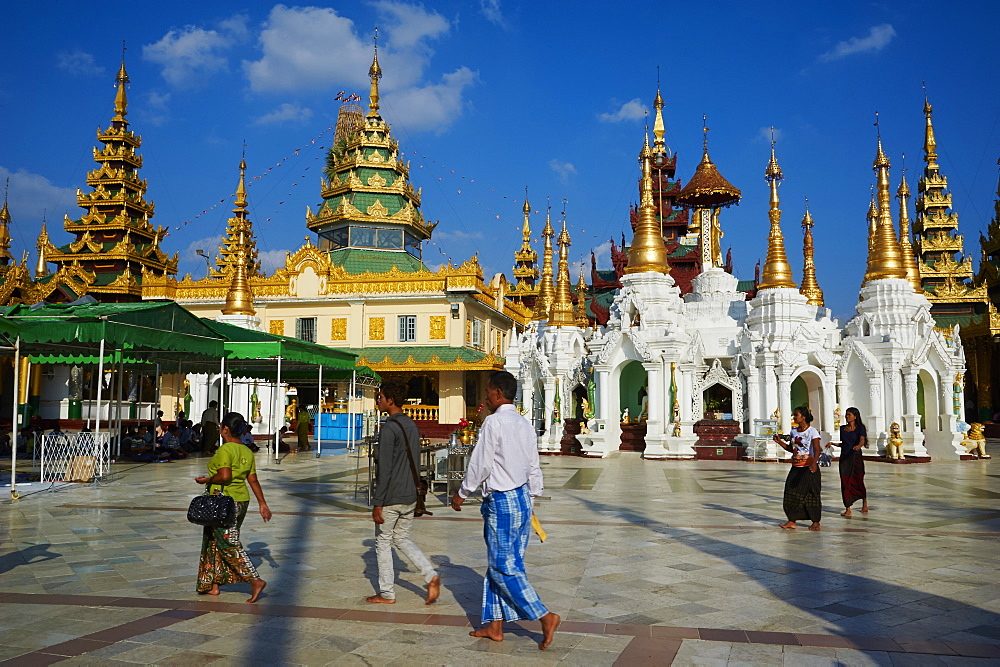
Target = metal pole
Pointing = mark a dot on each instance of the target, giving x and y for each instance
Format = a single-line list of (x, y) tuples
[(319, 413), (353, 387), (121, 389), (156, 393), (222, 386), (277, 433), (13, 420), (100, 386)]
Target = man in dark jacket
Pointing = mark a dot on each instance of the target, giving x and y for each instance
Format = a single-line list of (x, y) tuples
[(395, 497)]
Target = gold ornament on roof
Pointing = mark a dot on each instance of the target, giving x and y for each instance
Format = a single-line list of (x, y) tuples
[(777, 272), (647, 252), (543, 302), (885, 259), (810, 287), (909, 258), (562, 305), (377, 210)]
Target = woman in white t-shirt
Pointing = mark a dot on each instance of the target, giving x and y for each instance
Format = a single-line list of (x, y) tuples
[(802, 486)]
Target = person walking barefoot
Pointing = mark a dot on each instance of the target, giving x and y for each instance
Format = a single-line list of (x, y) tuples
[(802, 486), (504, 464), (853, 436)]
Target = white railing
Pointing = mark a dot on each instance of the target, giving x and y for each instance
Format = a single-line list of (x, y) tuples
[(75, 457)]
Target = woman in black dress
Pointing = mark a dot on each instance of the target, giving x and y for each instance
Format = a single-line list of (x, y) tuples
[(853, 436)]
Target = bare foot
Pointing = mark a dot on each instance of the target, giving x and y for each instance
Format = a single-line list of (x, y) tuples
[(433, 590), (864, 508), (494, 631), (256, 587), (788, 525), (847, 512), (378, 599), (550, 622), (814, 526), (214, 590)]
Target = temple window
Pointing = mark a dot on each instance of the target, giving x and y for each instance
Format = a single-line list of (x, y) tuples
[(407, 328), (305, 329)]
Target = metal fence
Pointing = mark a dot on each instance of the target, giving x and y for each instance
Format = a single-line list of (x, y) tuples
[(75, 457)]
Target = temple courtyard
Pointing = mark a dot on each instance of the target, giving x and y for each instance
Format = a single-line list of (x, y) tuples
[(646, 562)]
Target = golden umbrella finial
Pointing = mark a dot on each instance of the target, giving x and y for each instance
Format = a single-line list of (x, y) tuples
[(543, 302), (810, 286), (905, 246), (777, 271), (885, 260), (562, 305), (647, 252), (121, 100), (375, 73)]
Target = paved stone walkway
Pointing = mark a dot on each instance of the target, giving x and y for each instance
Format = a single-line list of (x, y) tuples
[(647, 562)]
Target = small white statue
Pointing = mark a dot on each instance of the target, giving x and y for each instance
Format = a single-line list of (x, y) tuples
[(625, 416)]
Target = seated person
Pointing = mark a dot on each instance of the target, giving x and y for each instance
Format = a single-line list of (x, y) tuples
[(170, 445), (142, 446), (247, 439), (184, 434), (195, 437)]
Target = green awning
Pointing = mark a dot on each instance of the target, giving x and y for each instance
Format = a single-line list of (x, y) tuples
[(147, 332), (255, 353)]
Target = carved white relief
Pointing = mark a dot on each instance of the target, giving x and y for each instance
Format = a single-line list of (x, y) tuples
[(718, 375)]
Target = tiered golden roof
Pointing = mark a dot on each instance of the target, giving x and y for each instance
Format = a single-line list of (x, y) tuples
[(909, 258), (777, 272), (945, 274), (810, 287), (525, 270), (885, 259), (241, 253), (561, 314), (647, 252), (239, 244), (114, 240), (546, 290)]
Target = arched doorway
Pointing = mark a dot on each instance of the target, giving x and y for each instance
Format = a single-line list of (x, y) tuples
[(631, 389), (718, 401), (807, 390), (927, 402)]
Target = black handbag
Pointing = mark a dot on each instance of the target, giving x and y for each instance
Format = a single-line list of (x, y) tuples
[(212, 509)]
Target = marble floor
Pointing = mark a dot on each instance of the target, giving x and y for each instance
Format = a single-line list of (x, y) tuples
[(646, 562)]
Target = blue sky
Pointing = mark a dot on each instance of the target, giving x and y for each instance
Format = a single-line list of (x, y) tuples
[(488, 97)]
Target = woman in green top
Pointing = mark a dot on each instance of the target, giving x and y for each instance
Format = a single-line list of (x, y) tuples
[(232, 467)]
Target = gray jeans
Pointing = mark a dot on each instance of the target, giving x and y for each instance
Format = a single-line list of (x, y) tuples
[(395, 532)]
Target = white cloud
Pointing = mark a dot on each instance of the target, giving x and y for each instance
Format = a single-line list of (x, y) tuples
[(457, 235), (156, 112), (433, 106), (602, 254), (493, 13), (877, 39), (631, 110), (31, 196), (315, 48), (79, 62), (287, 111), (271, 260), (188, 54), (209, 245), (563, 169)]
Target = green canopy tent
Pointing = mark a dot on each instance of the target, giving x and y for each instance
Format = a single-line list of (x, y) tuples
[(103, 333), (264, 355)]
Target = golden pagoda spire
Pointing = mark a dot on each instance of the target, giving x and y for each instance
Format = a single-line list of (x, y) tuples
[(885, 260), (777, 272), (121, 100), (239, 299), (659, 145), (647, 252), (562, 305), (543, 303), (909, 258), (930, 145), (872, 218), (5, 256), (810, 287), (229, 249), (375, 72), (581, 300), (41, 268)]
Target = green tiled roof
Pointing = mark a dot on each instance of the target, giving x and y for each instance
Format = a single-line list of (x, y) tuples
[(682, 250), (745, 286), (421, 353), (359, 260), (948, 321)]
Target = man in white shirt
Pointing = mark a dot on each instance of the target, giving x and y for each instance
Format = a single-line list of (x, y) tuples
[(504, 464)]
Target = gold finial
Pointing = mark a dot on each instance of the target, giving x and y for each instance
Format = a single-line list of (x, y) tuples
[(121, 100), (659, 145), (524, 259), (5, 256), (239, 299), (543, 302), (810, 286), (777, 271), (930, 145), (704, 129), (885, 259), (41, 268), (905, 246), (647, 252), (581, 300), (562, 305), (375, 72)]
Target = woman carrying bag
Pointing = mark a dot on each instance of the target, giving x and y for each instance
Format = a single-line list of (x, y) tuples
[(230, 470)]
